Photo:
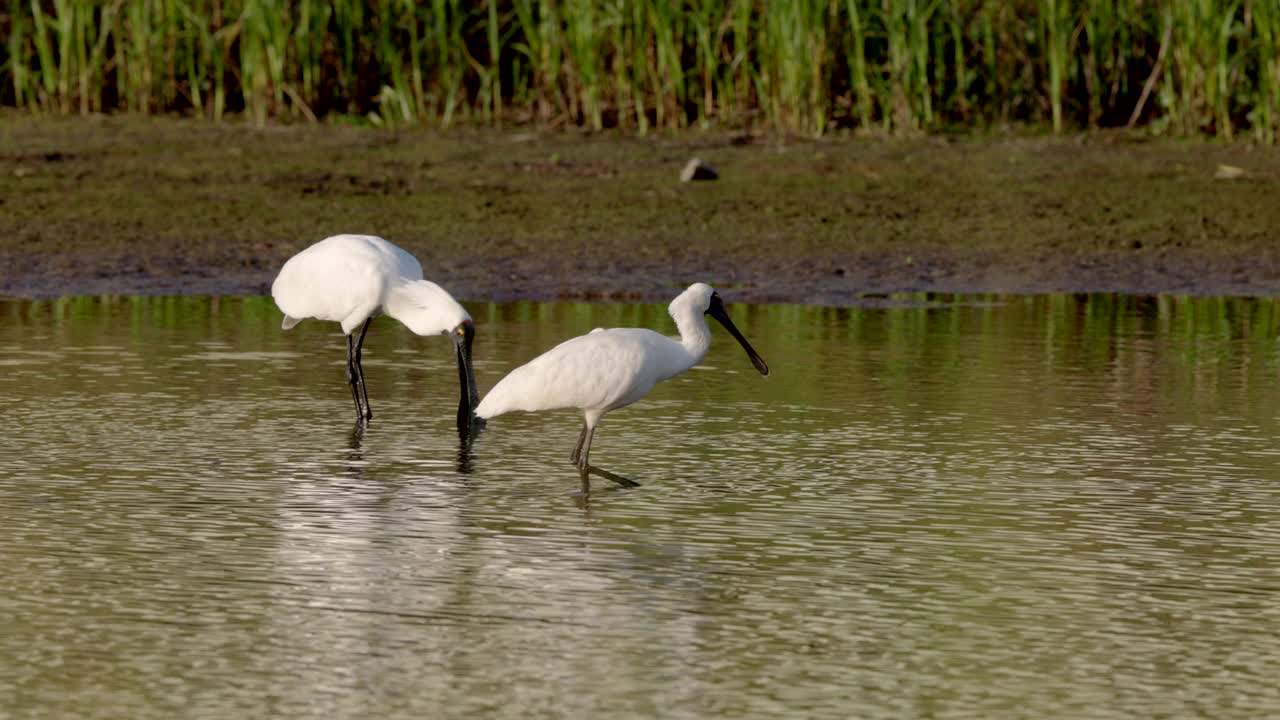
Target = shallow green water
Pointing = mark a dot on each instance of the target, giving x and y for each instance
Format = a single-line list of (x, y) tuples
[(982, 507)]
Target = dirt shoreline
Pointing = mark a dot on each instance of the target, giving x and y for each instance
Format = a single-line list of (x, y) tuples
[(166, 206)]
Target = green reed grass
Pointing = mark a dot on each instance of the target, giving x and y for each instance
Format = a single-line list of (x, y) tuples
[(1179, 66)]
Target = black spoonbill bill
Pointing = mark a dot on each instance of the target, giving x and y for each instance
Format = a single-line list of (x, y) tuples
[(608, 369), (350, 279)]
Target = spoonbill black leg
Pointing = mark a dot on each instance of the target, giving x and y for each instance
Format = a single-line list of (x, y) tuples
[(582, 458), (352, 378), (355, 375), (582, 454), (364, 391), (624, 482), (577, 449)]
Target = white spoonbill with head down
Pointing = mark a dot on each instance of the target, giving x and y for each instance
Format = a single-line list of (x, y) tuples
[(350, 279), (608, 369)]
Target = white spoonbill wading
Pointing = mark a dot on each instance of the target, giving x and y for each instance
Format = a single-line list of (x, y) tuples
[(608, 369), (350, 279)]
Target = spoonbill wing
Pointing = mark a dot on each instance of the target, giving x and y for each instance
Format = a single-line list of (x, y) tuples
[(600, 370)]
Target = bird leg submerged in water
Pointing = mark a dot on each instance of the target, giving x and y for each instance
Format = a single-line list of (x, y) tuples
[(582, 440), (581, 456), (355, 375), (593, 470)]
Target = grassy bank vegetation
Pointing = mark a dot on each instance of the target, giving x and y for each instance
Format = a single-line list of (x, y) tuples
[(1177, 66)]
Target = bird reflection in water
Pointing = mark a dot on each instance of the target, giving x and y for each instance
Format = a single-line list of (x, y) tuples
[(465, 457), (355, 451)]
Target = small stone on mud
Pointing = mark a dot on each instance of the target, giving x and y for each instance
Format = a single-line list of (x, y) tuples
[(838, 271), (1228, 172), (1136, 244), (696, 169)]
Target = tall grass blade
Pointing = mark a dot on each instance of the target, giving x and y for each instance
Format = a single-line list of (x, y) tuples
[(1185, 67)]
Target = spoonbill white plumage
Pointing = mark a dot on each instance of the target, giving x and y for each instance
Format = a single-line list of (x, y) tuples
[(351, 279), (608, 369)]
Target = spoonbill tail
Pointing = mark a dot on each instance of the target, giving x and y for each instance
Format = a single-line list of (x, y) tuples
[(351, 279), (608, 369)]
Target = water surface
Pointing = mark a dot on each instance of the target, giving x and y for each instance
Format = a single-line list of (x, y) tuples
[(935, 507)]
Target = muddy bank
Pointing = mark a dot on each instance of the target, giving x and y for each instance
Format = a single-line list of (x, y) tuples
[(165, 206)]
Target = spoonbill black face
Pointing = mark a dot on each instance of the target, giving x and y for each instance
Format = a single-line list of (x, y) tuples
[(462, 336), (717, 311)]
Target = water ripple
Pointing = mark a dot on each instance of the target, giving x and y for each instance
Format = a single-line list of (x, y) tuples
[(986, 509)]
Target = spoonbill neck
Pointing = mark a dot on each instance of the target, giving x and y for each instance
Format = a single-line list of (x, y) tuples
[(695, 336), (424, 307), (398, 302)]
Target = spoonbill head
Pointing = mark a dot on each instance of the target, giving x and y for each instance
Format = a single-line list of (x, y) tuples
[(608, 369), (350, 279)]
